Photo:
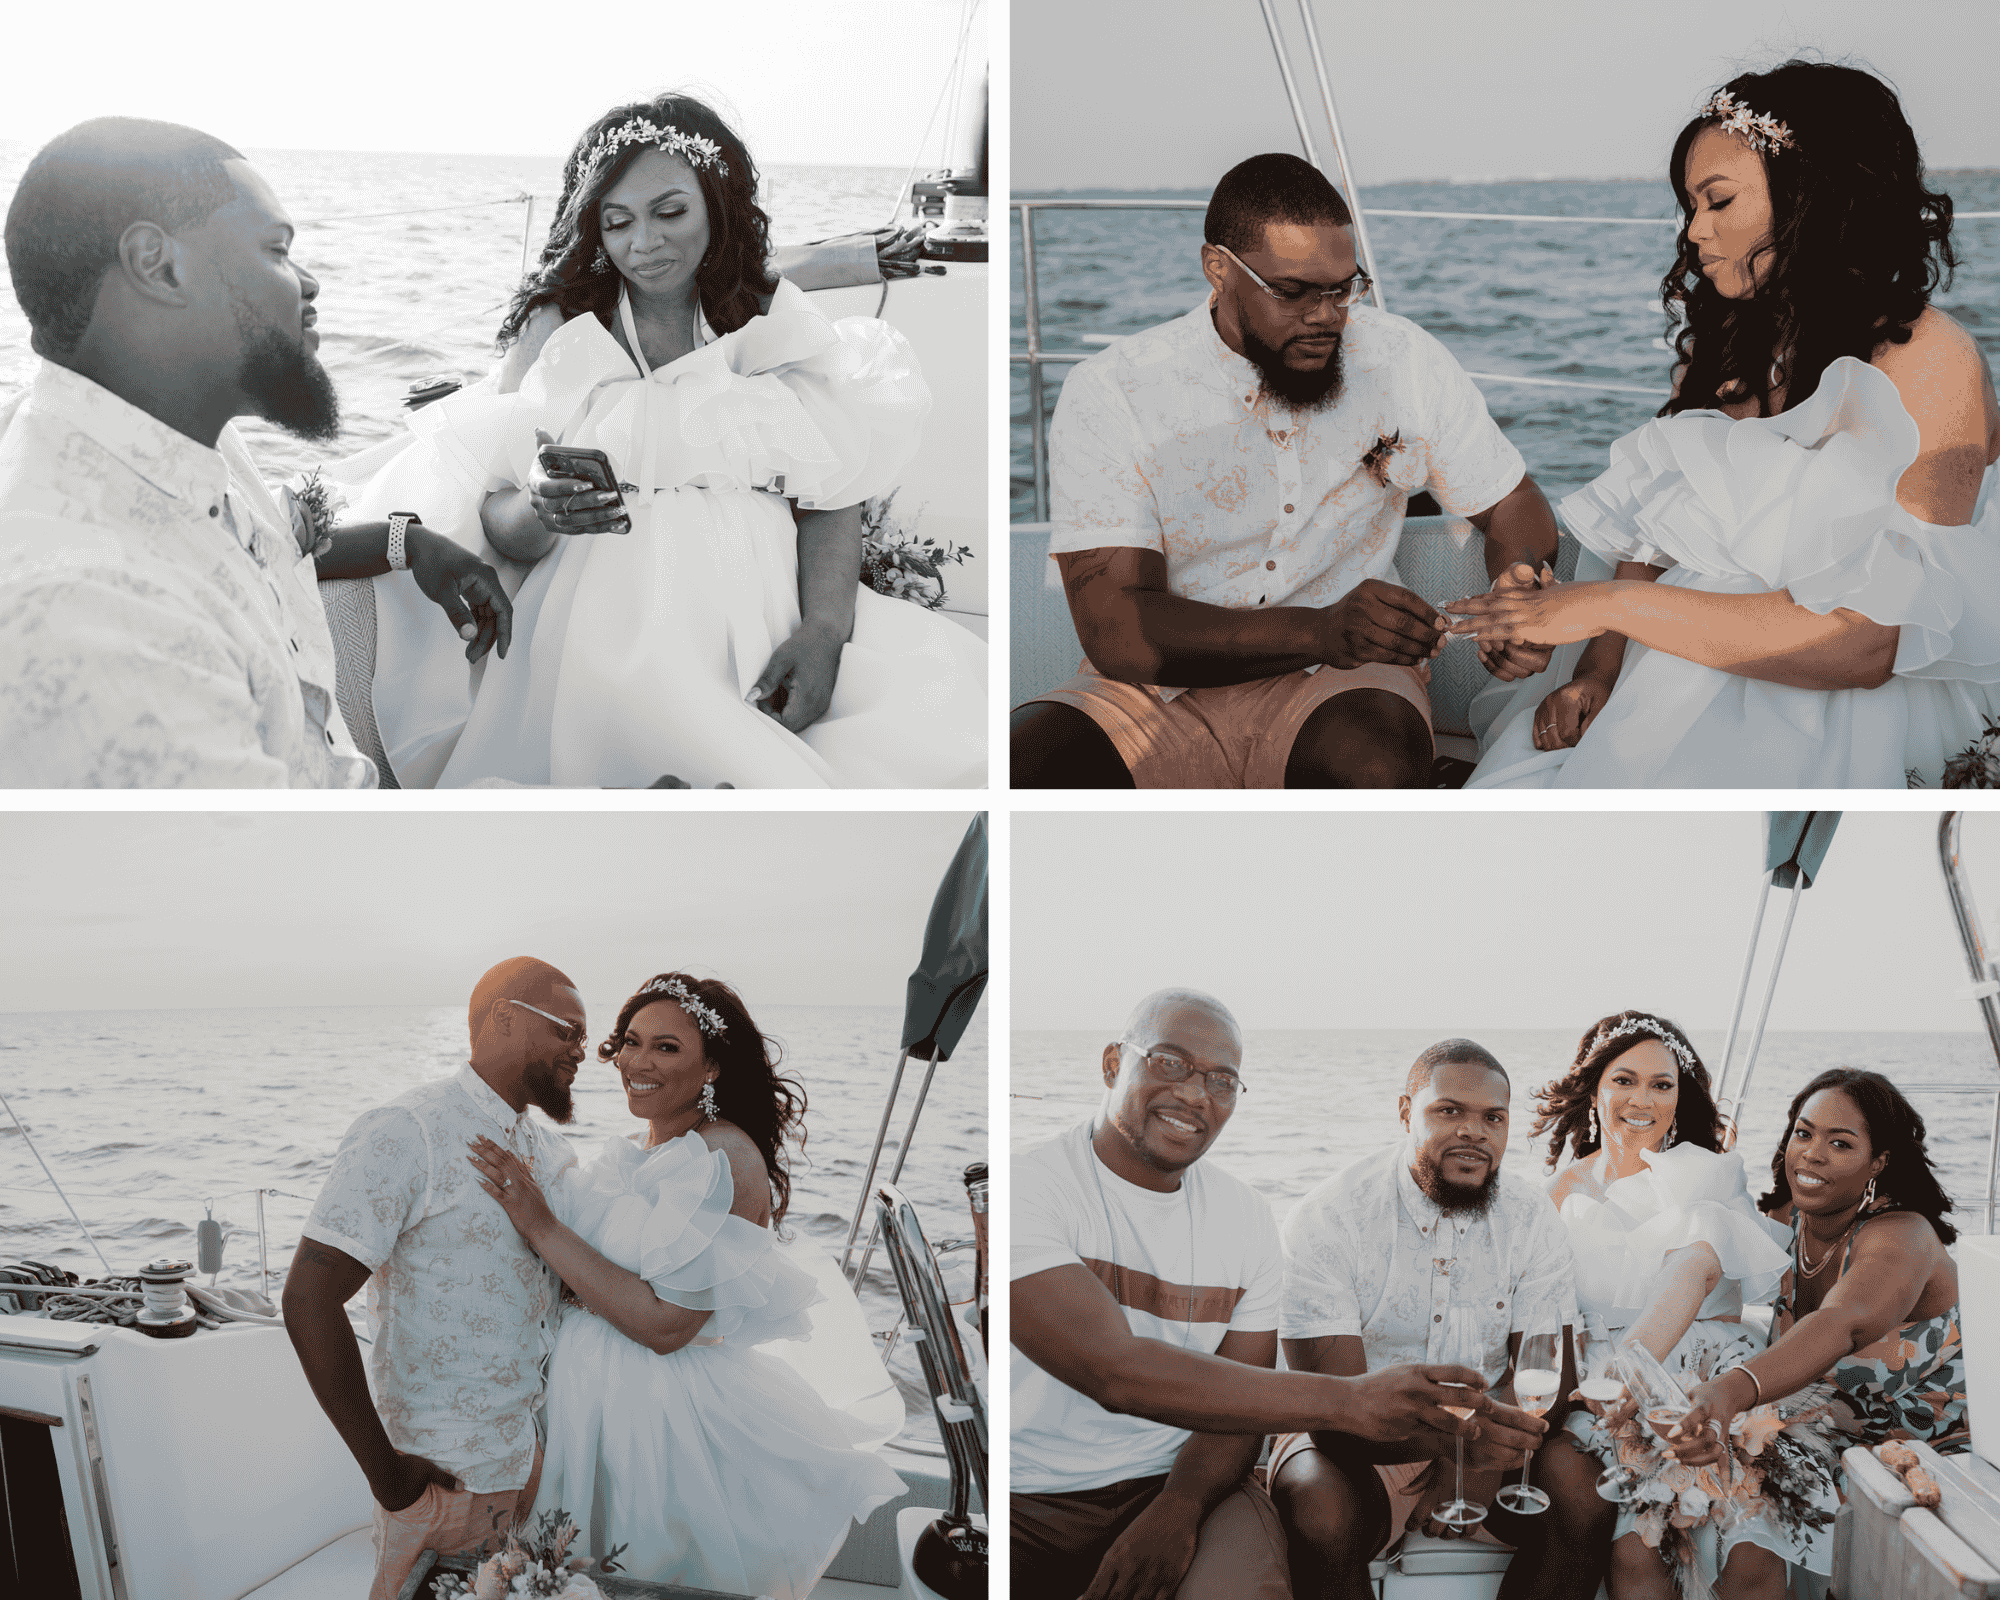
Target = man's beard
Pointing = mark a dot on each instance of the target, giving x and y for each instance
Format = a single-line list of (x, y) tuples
[(546, 1089), (284, 378), (1454, 1198), (1301, 391)]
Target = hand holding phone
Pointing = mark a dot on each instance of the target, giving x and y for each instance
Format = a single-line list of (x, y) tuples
[(575, 490)]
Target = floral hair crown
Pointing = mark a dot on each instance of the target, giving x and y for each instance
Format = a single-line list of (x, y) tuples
[(1765, 133), (1658, 1030), (705, 1016), (697, 152)]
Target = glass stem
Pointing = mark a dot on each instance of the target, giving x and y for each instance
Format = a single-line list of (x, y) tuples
[(1459, 1441)]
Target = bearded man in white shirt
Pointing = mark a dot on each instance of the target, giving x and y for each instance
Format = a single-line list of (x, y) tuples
[(1144, 1297), (160, 621), (1227, 495), (1375, 1258), (463, 1310)]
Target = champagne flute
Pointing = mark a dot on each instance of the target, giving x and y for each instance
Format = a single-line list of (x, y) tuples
[(1461, 1346), (1601, 1382), (1537, 1374)]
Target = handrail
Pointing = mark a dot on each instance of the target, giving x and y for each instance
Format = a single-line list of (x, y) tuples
[(1985, 988)]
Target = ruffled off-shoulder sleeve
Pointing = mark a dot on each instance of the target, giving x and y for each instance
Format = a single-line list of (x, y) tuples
[(1806, 501), (1688, 1196), (695, 1254)]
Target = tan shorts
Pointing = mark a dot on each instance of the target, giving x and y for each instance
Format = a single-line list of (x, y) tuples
[(449, 1521), (1397, 1478), (1057, 1541), (1236, 736)]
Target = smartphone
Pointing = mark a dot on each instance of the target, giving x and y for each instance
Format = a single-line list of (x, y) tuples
[(569, 461)]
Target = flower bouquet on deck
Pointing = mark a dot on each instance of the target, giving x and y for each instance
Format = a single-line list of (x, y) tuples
[(898, 562), (536, 1563), (1977, 766)]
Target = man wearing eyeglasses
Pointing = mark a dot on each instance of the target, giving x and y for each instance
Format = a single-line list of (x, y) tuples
[(1228, 492), (1145, 1303), (464, 1310)]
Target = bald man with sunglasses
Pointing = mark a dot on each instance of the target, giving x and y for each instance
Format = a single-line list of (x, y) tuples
[(1228, 491), (464, 1311)]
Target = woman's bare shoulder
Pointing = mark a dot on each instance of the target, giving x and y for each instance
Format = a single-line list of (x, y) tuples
[(1564, 1183), (1940, 372), (746, 1166)]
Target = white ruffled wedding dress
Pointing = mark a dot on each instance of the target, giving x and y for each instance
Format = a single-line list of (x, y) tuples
[(1686, 1196), (632, 654), (1804, 501), (721, 1465)]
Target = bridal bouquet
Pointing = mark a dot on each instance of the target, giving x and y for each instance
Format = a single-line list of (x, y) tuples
[(537, 1563), (1977, 766), (897, 562), (1780, 1465)]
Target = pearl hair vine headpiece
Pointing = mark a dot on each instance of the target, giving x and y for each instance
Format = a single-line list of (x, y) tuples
[(1646, 1025), (697, 152), (705, 1016), (1765, 133)]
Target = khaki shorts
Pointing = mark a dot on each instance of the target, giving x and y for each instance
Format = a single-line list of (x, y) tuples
[(449, 1521), (1236, 736), (1057, 1541), (1397, 1480)]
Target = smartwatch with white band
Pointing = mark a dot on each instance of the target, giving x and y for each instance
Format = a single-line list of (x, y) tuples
[(399, 530)]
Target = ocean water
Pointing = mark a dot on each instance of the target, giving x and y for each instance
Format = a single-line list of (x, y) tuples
[(1573, 301), (421, 290), (150, 1117), (1318, 1100)]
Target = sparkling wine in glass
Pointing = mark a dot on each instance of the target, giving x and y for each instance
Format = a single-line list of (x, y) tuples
[(1537, 1374), (1461, 1346)]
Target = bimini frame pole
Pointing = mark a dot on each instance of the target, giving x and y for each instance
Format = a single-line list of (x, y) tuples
[(1727, 1104), (1340, 155), (875, 1158), (1985, 980)]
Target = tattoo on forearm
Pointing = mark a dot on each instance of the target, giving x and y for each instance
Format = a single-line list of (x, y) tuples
[(1083, 569)]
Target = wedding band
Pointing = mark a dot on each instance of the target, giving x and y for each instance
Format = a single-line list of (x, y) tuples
[(506, 1183)]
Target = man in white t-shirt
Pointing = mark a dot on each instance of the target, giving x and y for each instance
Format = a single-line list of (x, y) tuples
[(1378, 1259), (1228, 491), (463, 1309), (1145, 1315)]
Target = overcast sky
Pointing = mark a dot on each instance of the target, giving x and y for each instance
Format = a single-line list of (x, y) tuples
[(1452, 921), (832, 82), (117, 910), (1443, 88)]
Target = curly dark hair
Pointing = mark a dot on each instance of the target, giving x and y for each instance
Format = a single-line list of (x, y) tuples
[(1564, 1105), (732, 276), (1908, 1179), (749, 1092), (1857, 245)]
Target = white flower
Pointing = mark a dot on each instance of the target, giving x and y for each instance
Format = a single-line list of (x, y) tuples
[(1694, 1503)]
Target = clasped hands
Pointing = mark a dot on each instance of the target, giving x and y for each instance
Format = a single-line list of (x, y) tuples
[(1380, 622)]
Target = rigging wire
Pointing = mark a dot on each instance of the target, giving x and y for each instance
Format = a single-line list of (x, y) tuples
[(52, 1179), (958, 54)]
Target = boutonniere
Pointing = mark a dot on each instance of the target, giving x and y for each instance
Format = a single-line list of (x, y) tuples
[(1376, 461)]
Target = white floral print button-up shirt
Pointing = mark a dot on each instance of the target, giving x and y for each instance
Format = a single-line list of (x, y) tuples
[(1367, 1253), (159, 626), (1162, 442), (464, 1311)]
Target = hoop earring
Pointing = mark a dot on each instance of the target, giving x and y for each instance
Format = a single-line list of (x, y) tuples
[(603, 262), (708, 1102)]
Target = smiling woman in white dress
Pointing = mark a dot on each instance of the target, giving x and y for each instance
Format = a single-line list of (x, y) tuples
[(716, 1464), (1669, 1250), (1807, 539), (706, 619)]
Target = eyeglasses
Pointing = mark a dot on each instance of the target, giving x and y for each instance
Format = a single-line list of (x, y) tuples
[(568, 1032), (1312, 294), (1221, 1086)]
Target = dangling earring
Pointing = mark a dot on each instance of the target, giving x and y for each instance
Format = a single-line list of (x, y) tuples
[(1593, 1124), (602, 263), (1868, 1199), (708, 1102), (1672, 1127)]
